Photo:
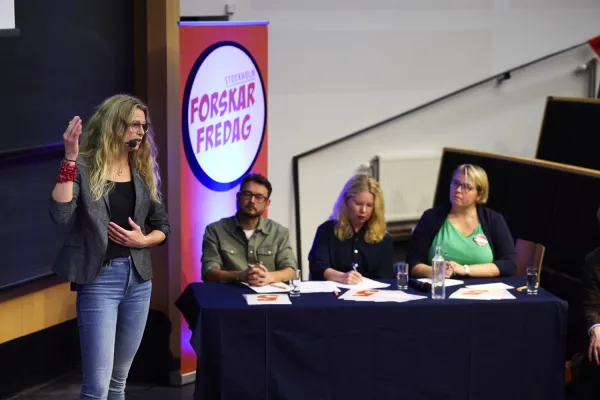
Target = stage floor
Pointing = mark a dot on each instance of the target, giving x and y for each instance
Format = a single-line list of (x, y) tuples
[(68, 388)]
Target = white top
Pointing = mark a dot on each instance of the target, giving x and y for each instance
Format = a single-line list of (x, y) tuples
[(249, 233)]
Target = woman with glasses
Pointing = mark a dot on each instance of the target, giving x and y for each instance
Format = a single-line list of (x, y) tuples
[(354, 242), (474, 239), (112, 188)]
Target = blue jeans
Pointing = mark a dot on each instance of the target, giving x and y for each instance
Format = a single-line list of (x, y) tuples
[(111, 315)]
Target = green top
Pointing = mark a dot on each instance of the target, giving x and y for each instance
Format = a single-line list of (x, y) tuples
[(469, 250), (225, 246)]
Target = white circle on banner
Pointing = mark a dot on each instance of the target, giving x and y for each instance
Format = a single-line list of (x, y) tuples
[(226, 111)]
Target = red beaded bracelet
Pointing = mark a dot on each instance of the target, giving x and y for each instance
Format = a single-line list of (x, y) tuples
[(67, 172)]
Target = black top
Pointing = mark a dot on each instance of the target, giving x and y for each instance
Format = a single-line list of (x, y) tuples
[(81, 257), (375, 260), (122, 203), (494, 227)]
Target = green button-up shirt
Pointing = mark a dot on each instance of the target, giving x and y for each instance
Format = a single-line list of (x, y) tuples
[(225, 246)]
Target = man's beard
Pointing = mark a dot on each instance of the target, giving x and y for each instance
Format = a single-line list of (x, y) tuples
[(249, 212)]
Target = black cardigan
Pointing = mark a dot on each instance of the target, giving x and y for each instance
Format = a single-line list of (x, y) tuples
[(494, 227), (375, 260)]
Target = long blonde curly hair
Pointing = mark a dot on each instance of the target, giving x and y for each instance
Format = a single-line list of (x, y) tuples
[(376, 226), (103, 141)]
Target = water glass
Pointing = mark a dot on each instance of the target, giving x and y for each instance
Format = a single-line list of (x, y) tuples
[(532, 280), (295, 284), (401, 269)]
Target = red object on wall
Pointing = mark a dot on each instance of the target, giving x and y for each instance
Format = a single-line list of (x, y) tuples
[(595, 44)]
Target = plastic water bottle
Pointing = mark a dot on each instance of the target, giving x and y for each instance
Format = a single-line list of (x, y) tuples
[(438, 276)]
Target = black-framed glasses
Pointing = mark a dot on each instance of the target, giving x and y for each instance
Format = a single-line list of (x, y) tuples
[(455, 184), (136, 126), (246, 195)]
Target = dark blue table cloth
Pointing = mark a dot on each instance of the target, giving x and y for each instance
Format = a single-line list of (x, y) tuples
[(321, 347)]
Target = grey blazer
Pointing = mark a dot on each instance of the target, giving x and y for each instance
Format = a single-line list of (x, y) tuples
[(81, 256)]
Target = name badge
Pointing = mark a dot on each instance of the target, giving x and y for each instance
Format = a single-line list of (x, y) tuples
[(481, 240)]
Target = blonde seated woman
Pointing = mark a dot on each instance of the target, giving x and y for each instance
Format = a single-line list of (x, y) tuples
[(354, 243), (475, 240)]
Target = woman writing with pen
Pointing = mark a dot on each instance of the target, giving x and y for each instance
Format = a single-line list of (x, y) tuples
[(353, 243)]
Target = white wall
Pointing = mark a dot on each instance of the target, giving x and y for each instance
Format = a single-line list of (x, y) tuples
[(408, 179), (7, 14), (337, 66), (501, 119)]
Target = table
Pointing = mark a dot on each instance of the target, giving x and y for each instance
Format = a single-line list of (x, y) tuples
[(321, 347)]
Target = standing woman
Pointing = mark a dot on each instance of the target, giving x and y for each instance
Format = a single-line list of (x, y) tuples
[(113, 188)]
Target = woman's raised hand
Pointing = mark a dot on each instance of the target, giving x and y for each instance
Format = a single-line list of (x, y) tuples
[(71, 138)]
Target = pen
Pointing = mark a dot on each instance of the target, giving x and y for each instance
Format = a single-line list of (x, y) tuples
[(278, 287), (355, 267)]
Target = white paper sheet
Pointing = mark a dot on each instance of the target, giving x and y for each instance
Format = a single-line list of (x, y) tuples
[(318, 287), (364, 284), (278, 287), (377, 295), (482, 294), (495, 285), (449, 282), (266, 299)]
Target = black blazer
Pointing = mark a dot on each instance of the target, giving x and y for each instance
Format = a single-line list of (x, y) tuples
[(590, 282), (82, 254), (494, 227)]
